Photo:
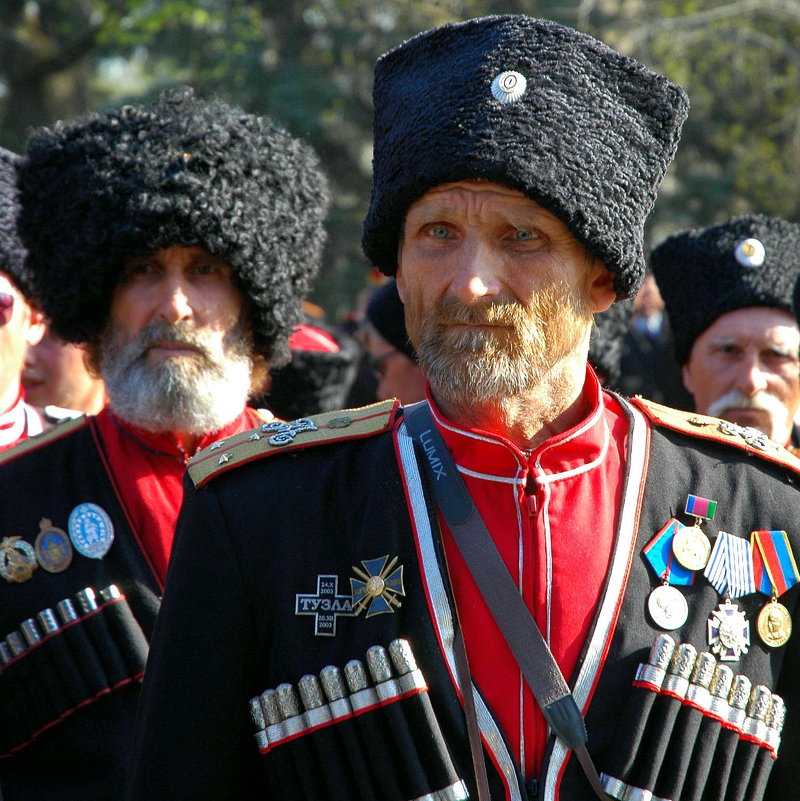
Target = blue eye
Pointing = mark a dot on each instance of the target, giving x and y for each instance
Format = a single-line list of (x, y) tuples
[(439, 232), (523, 235)]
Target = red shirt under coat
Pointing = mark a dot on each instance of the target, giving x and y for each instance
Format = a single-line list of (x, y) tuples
[(147, 471), (552, 514)]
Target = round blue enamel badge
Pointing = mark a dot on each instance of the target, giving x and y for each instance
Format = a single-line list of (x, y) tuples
[(91, 530)]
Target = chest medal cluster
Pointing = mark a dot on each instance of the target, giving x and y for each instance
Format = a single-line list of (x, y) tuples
[(89, 531), (735, 566)]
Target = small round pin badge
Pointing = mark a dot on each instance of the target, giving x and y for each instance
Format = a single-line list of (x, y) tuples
[(509, 86), (750, 253), (53, 548), (91, 530)]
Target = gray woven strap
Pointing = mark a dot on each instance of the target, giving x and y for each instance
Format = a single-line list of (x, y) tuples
[(499, 591)]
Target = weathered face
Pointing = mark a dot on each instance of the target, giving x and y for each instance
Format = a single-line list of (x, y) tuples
[(55, 374), (20, 327), (498, 292), (176, 285), (745, 368), (176, 356)]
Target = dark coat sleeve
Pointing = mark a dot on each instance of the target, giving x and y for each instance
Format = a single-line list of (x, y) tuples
[(194, 738)]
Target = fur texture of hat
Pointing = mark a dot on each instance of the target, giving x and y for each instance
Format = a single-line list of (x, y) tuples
[(704, 273), (12, 251), (101, 189), (386, 313), (536, 106)]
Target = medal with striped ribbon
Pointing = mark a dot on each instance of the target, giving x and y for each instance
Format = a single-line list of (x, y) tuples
[(775, 572), (730, 572)]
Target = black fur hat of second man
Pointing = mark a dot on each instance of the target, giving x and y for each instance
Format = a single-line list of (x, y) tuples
[(581, 129), (182, 172), (703, 273)]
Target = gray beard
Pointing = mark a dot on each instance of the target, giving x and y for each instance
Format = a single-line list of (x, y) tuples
[(195, 394), (485, 368)]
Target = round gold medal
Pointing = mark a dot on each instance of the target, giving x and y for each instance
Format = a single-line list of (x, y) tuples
[(691, 547), (774, 625)]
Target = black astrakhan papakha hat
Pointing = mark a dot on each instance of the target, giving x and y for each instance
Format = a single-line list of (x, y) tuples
[(103, 188), (12, 252), (387, 315), (704, 273), (539, 107)]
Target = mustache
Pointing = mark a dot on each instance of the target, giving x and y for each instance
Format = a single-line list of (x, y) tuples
[(451, 311), (761, 401), (180, 333)]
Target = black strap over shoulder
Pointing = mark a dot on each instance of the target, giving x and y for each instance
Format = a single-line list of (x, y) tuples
[(498, 589)]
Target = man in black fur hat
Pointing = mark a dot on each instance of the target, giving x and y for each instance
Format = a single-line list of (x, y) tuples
[(175, 243), (515, 161), (21, 323), (728, 291)]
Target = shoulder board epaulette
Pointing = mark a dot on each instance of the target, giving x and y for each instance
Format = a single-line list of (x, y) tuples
[(278, 437), (46, 437), (746, 438)]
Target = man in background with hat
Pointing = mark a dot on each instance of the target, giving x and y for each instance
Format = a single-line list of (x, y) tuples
[(175, 243), (391, 354), (21, 323), (515, 162), (728, 291)]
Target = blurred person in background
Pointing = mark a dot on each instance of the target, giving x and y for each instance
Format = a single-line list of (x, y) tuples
[(728, 292), (392, 356), (606, 342), (21, 323), (647, 360), (319, 376), (56, 377)]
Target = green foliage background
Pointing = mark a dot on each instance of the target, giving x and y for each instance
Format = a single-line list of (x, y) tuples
[(308, 63)]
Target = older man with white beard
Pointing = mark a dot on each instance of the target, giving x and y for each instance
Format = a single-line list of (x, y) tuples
[(499, 554), (175, 244), (728, 291)]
